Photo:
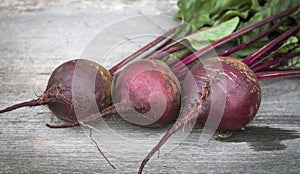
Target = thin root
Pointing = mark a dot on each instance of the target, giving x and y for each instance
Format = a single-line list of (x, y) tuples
[(98, 148)]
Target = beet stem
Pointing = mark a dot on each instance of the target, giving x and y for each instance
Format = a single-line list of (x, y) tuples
[(31, 103), (162, 53), (230, 37), (271, 53), (140, 51), (277, 74), (255, 56), (172, 41), (256, 38), (273, 62)]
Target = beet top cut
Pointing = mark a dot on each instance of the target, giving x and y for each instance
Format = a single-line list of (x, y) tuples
[(76, 88)]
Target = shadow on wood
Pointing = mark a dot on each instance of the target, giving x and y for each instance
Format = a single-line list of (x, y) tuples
[(263, 138)]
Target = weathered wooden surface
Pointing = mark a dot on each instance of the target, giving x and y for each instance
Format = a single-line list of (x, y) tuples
[(35, 38)]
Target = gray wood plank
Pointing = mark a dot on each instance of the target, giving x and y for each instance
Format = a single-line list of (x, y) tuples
[(37, 37)]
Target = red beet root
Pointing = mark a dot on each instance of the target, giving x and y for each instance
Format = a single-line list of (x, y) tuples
[(72, 90), (151, 89), (234, 81)]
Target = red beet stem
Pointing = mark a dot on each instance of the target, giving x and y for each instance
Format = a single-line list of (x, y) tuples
[(230, 37), (256, 38), (273, 62), (172, 41), (255, 56), (261, 60), (141, 51), (173, 62), (277, 74), (31, 103), (263, 67), (162, 53), (92, 118)]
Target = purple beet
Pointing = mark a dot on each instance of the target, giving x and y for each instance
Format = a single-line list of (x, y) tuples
[(76, 88), (228, 78), (150, 87)]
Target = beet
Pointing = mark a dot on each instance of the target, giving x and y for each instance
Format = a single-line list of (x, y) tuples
[(146, 93), (76, 88), (225, 84), (151, 89), (234, 83)]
